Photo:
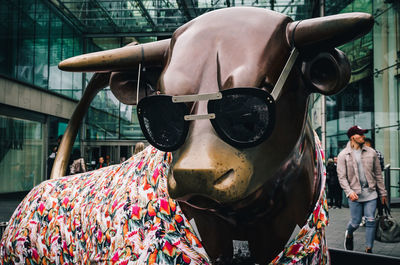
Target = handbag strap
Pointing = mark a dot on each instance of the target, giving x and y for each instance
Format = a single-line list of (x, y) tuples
[(387, 210)]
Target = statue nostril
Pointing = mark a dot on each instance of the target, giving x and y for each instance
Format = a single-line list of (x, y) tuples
[(225, 180)]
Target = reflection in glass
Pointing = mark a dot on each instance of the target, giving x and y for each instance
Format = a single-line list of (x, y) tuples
[(41, 69), (25, 61), (21, 144)]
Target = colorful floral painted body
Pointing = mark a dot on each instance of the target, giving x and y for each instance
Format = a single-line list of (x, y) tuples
[(122, 214)]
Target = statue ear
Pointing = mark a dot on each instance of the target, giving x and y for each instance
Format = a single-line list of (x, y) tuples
[(327, 72), (124, 84)]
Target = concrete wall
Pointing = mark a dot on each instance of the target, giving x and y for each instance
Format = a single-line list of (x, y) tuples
[(22, 96)]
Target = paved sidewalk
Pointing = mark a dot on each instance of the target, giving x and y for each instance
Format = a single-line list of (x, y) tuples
[(338, 220)]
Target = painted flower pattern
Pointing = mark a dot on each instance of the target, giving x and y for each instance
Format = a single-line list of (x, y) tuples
[(122, 214)]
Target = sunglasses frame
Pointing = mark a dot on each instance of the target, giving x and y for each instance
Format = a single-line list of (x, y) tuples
[(270, 101), (149, 101), (213, 101), (261, 94)]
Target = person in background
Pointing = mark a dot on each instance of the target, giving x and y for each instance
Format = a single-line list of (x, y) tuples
[(338, 191), (370, 143), (329, 181), (101, 163), (50, 161), (107, 160), (139, 146), (59, 138), (334, 189), (51, 158), (78, 163), (360, 176)]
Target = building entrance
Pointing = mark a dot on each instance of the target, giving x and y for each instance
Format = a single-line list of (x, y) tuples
[(112, 154)]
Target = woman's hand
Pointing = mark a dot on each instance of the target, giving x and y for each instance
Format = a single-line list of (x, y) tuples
[(353, 196)]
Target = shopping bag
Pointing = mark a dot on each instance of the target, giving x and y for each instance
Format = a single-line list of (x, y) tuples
[(387, 228)]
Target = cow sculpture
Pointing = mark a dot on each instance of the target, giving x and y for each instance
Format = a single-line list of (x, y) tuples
[(231, 105)]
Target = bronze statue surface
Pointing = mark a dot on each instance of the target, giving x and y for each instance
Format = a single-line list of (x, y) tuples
[(257, 194)]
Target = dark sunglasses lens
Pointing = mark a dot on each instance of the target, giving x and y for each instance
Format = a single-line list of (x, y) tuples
[(162, 122), (245, 119)]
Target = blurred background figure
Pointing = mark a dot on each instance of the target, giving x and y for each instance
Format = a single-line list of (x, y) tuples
[(379, 206), (101, 163), (50, 161), (334, 189), (139, 146), (107, 160), (78, 165), (370, 143)]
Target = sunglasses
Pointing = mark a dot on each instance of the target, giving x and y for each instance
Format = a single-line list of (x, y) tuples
[(242, 117)]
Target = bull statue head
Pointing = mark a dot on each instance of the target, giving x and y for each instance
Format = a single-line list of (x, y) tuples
[(245, 176)]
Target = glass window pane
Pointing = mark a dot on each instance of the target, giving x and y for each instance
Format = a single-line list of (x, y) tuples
[(77, 77), (41, 46), (103, 116), (55, 53), (20, 163), (67, 52), (8, 38), (26, 41), (130, 128)]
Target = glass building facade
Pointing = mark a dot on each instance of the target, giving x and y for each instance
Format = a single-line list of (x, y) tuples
[(34, 38), (21, 143), (371, 100), (33, 41), (35, 35)]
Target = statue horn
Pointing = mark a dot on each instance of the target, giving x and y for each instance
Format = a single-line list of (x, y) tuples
[(117, 59), (330, 31)]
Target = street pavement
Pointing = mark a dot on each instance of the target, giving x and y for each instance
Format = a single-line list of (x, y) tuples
[(338, 220)]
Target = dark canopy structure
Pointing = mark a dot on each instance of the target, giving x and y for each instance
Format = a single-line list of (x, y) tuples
[(96, 18)]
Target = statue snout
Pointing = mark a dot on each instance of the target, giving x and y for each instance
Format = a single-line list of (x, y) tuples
[(210, 169)]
